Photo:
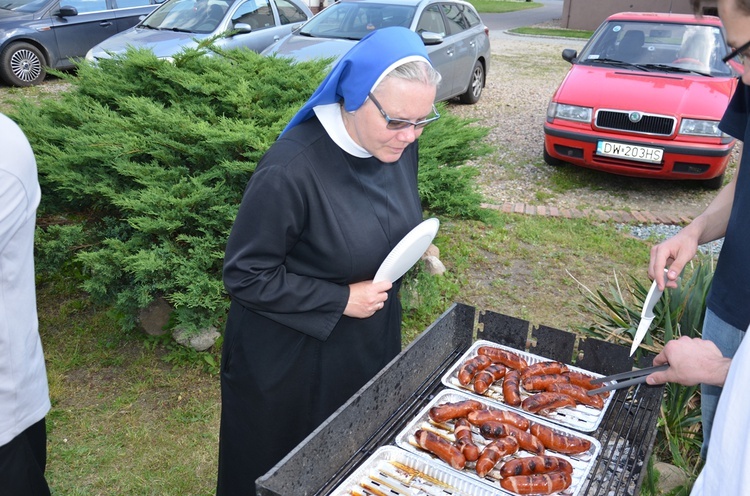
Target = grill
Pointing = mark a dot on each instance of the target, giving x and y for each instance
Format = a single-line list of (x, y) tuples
[(648, 124), (374, 416)]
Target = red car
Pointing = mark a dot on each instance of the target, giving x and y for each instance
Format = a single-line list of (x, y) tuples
[(644, 99)]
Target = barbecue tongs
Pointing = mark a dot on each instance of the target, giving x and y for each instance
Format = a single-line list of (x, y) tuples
[(634, 377)]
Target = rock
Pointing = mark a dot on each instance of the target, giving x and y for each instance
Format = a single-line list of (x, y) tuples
[(670, 477), (155, 317), (432, 251), (434, 266), (200, 341)]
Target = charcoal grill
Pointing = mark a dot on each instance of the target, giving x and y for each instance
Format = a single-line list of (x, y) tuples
[(376, 414)]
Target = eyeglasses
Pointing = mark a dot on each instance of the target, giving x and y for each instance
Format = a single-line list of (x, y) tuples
[(737, 52), (395, 124)]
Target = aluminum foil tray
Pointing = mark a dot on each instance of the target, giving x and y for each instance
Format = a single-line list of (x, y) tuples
[(391, 470), (582, 463), (583, 418)]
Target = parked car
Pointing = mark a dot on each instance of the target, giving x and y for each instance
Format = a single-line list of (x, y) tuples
[(180, 24), (37, 34), (644, 99), (457, 40)]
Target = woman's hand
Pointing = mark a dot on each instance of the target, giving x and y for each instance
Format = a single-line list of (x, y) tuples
[(691, 361), (366, 298)]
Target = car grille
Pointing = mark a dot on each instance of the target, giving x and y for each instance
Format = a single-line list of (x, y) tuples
[(648, 124)]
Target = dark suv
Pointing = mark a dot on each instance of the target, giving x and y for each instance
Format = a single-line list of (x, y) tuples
[(36, 34)]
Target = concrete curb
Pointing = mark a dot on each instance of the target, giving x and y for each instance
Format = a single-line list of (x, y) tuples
[(619, 216)]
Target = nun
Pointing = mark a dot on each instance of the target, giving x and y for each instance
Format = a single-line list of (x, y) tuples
[(307, 326)]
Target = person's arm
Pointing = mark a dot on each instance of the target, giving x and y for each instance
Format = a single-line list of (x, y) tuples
[(691, 361), (678, 250)]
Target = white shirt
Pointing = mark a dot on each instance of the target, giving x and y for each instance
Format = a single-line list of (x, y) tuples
[(727, 468), (24, 393)]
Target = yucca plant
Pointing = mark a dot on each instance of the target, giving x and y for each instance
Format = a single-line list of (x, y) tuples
[(680, 312)]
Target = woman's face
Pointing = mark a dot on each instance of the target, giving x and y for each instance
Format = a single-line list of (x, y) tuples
[(400, 99)]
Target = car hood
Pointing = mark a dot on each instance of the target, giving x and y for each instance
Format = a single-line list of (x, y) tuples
[(648, 92), (303, 48), (162, 43)]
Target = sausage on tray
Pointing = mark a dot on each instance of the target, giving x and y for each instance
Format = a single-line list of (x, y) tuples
[(546, 401), (484, 378), (577, 393), (450, 411), (558, 441), (507, 358), (470, 367), (526, 440), (494, 452), (464, 440), (541, 368), (536, 383), (441, 448), (512, 388), (478, 417), (535, 465), (549, 483)]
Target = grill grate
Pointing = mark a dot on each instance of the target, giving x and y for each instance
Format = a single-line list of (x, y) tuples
[(382, 408), (648, 124)]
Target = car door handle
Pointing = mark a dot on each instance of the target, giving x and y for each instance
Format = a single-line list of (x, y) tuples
[(105, 24)]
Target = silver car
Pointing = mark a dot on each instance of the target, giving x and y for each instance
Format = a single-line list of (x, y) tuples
[(180, 24), (457, 40)]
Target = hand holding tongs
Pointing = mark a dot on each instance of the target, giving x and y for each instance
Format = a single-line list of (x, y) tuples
[(636, 377)]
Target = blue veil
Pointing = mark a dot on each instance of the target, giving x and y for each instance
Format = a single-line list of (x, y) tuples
[(361, 68)]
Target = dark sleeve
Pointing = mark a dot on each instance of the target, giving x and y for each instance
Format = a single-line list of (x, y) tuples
[(269, 222), (735, 117)]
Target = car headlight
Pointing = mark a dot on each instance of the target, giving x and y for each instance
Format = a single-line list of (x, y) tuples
[(568, 112), (698, 127)]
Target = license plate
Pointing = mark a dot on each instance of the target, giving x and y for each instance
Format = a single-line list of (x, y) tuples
[(630, 152)]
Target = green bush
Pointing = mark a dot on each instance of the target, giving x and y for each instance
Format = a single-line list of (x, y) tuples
[(153, 158)]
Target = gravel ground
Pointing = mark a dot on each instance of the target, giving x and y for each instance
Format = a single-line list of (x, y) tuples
[(523, 75)]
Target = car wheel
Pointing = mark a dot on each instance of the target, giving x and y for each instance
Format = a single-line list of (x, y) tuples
[(550, 160), (22, 64), (715, 183), (476, 84)]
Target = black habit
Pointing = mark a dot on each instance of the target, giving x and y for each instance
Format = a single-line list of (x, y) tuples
[(313, 220)]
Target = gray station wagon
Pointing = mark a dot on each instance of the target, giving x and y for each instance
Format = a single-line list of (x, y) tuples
[(37, 34)]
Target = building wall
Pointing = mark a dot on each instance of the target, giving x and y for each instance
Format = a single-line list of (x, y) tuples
[(589, 14)]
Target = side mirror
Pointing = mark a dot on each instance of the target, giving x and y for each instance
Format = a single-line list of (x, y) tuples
[(67, 11), (570, 55), (430, 38), (242, 28)]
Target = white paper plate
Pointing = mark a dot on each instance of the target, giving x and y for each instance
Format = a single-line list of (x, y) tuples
[(408, 251)]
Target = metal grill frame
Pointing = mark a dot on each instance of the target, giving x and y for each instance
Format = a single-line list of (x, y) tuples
[(377, 412)]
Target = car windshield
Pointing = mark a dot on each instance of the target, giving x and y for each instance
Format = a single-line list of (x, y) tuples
[(353, 21), (189, 16), (659, 47), (22, 5)]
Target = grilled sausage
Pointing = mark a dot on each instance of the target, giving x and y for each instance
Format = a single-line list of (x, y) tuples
[(470, 367), (541, 382), (577, 393), (507, 358), (450, 411), (540, 368), (527, 441), (478, 417), (583, 380), (484, 378), (464, 440), (512, 388), (529, 465), (546, 401), (538, 483), (494, 452), (441, 448), (558, 441)]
